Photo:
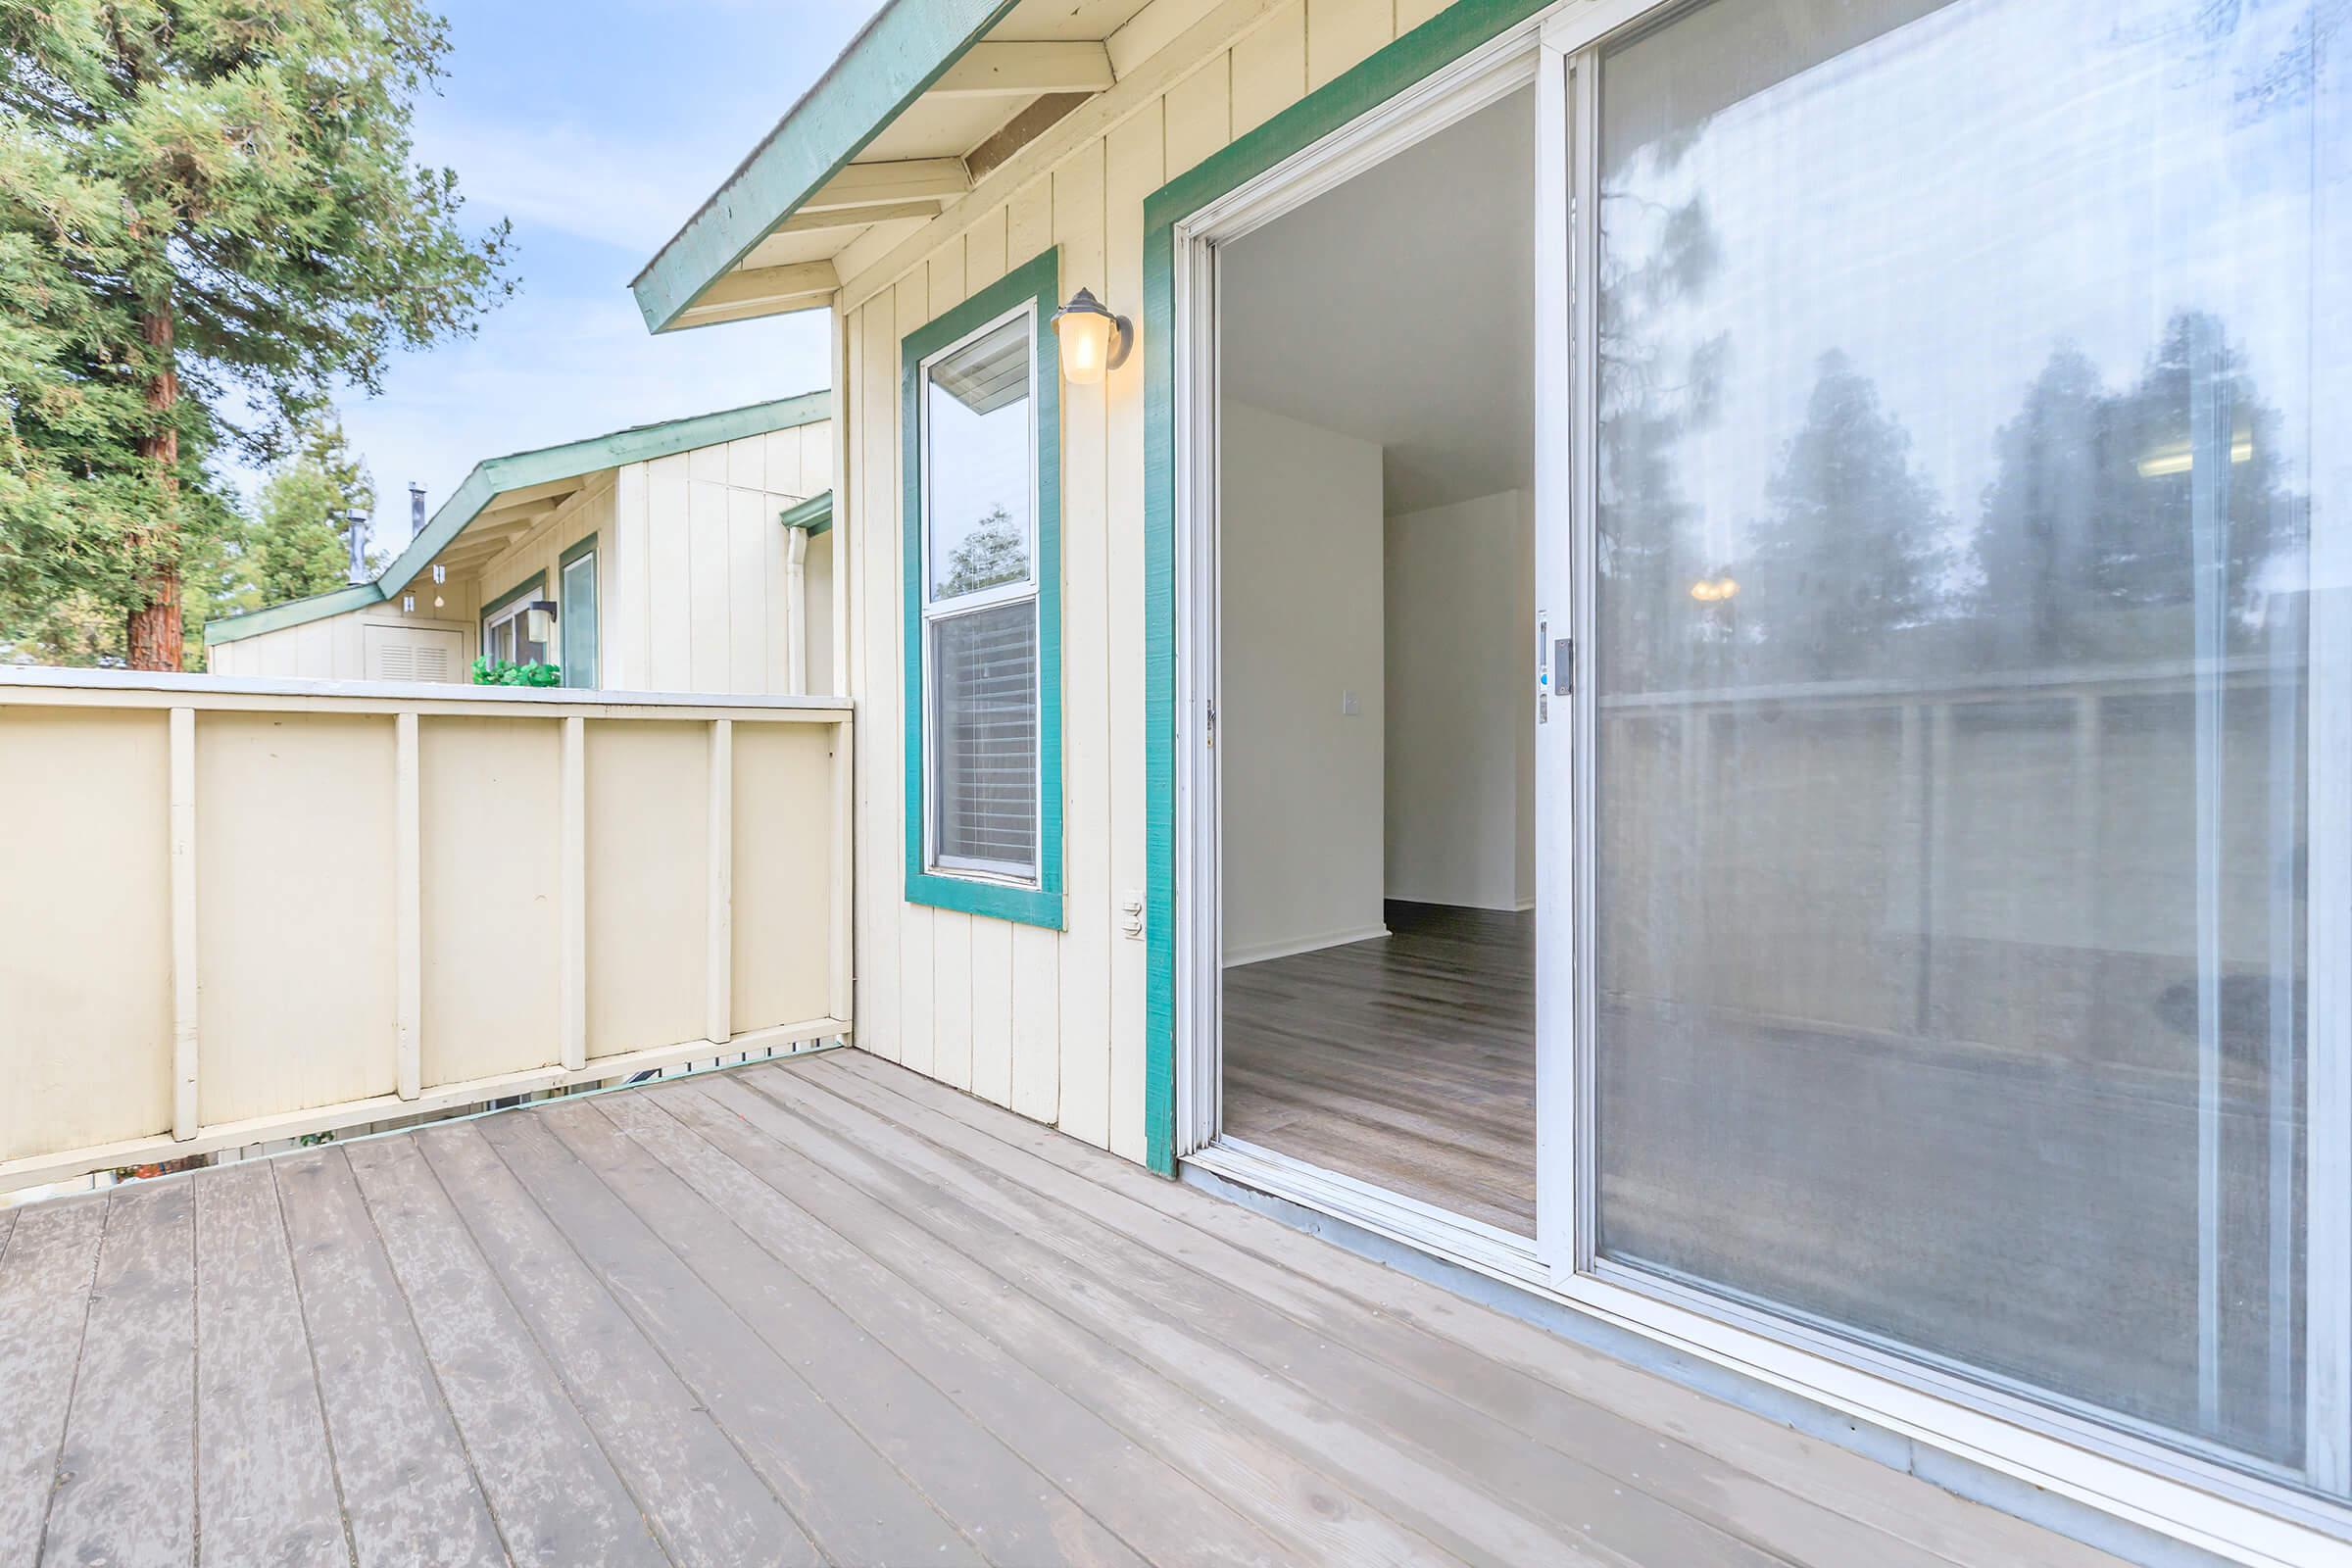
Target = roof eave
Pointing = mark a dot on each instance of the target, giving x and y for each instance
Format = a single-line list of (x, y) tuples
[(906, 48)]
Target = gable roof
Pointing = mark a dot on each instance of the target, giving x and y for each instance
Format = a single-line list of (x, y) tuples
[(494, 477), (930, 97)]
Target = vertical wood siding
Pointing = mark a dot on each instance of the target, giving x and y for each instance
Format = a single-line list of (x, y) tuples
[(1049, 1023), (690, 578)]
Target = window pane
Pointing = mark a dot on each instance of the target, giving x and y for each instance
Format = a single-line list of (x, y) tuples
[(1956, 493), (580, 621), (980, 452), (984, 734)]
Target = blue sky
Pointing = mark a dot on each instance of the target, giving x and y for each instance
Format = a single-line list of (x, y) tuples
[(598, 128)]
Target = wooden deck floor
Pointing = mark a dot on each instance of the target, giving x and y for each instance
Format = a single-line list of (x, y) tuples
[(824, 1311)]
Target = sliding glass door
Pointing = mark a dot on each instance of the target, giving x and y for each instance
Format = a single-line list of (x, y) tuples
[(1964, 875)]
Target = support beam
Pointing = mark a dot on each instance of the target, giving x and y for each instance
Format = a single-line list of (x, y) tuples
[(883, 184), (765, 291), (571, 847), (407, 910), (839, 217), (718, 968), (183, 809), (1026, 70)]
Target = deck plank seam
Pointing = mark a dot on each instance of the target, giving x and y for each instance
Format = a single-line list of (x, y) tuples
[(662, 1235), (1430, 1454), (653, 1342), (1344, 1298), (1080, 1161), (65, 1420), (432, 1369), (310, 1350), (1441, 1468), (914, 1288), (1110, 1348), (806, 1527), (547, 1356), (913, 1370)]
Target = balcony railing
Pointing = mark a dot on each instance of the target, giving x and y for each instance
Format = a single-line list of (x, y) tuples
[(233, 912)]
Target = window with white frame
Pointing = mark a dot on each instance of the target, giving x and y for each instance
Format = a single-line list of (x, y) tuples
[(983, 808), (506, 625)]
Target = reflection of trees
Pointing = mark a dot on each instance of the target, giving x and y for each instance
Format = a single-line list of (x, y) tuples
[(993, 553), (1656, 259), (2086, 536), (1854, 546)]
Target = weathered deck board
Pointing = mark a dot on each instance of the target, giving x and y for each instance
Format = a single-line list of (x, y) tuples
[(265, 1485), (828, 1312), (409, 1491), (556, 1497), (44, 1302), (852, 1502), (713, 1508)]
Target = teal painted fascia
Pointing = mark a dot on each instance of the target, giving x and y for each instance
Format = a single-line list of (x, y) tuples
[(908, 45), (816, 514), (495, 476), (1036, 283), (292, 612), (1451, 33)]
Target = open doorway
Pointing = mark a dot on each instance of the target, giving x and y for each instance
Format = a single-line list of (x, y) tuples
[(1376, 622)]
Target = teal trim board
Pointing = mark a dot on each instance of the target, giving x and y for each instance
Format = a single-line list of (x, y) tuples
[(576, 550), (1437, 42), (908, 45), (533, 586), (1035, 283)]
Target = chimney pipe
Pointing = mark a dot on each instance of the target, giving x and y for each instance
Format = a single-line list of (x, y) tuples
[(415, 508), (356, 525)]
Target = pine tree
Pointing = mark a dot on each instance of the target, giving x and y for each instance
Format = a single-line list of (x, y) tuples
[(208, 219), (1855, 548)]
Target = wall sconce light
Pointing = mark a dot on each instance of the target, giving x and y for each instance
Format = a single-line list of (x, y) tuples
[(407, 602), (539, 622), (440, 574), (1094, 341), (1713, 590)]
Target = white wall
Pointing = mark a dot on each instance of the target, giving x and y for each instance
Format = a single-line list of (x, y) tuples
[(1460, 796), (1301, 527)]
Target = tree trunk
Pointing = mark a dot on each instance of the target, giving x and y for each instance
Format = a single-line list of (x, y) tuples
[(155, 635)]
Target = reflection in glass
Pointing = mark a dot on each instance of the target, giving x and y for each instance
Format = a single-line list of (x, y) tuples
[(1957, 399), (977, 517)]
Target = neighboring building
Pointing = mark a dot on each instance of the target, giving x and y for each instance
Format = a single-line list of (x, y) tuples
[(690, 556), (1924, 740)]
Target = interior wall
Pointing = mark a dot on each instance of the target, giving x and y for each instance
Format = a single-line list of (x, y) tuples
[(1300, 544), (1460, 754)]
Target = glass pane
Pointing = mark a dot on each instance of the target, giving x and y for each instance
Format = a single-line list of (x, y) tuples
[(1957, 405), (984, 737), (980, 449), (578, 623)]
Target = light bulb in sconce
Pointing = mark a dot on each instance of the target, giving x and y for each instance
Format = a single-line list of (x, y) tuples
[(1094, 341), (438, 601)]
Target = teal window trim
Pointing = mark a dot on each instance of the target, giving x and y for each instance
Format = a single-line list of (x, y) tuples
[(1035, 283), (1438, 43), (585, 545)]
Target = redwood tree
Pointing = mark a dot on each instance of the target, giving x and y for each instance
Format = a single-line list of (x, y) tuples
[(210, 218)]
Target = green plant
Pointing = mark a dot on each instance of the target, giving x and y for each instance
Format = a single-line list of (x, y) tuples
[(489, 671)]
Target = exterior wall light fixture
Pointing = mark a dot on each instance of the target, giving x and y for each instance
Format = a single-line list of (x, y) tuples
[(539, 622), (1094, 341)]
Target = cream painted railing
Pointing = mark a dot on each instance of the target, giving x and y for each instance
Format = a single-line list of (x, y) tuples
[(239, 911)]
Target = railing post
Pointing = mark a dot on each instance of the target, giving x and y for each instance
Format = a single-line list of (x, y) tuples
[(572, 979), (407, 882), (184, 1053), (839, 988), (719, 965)]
